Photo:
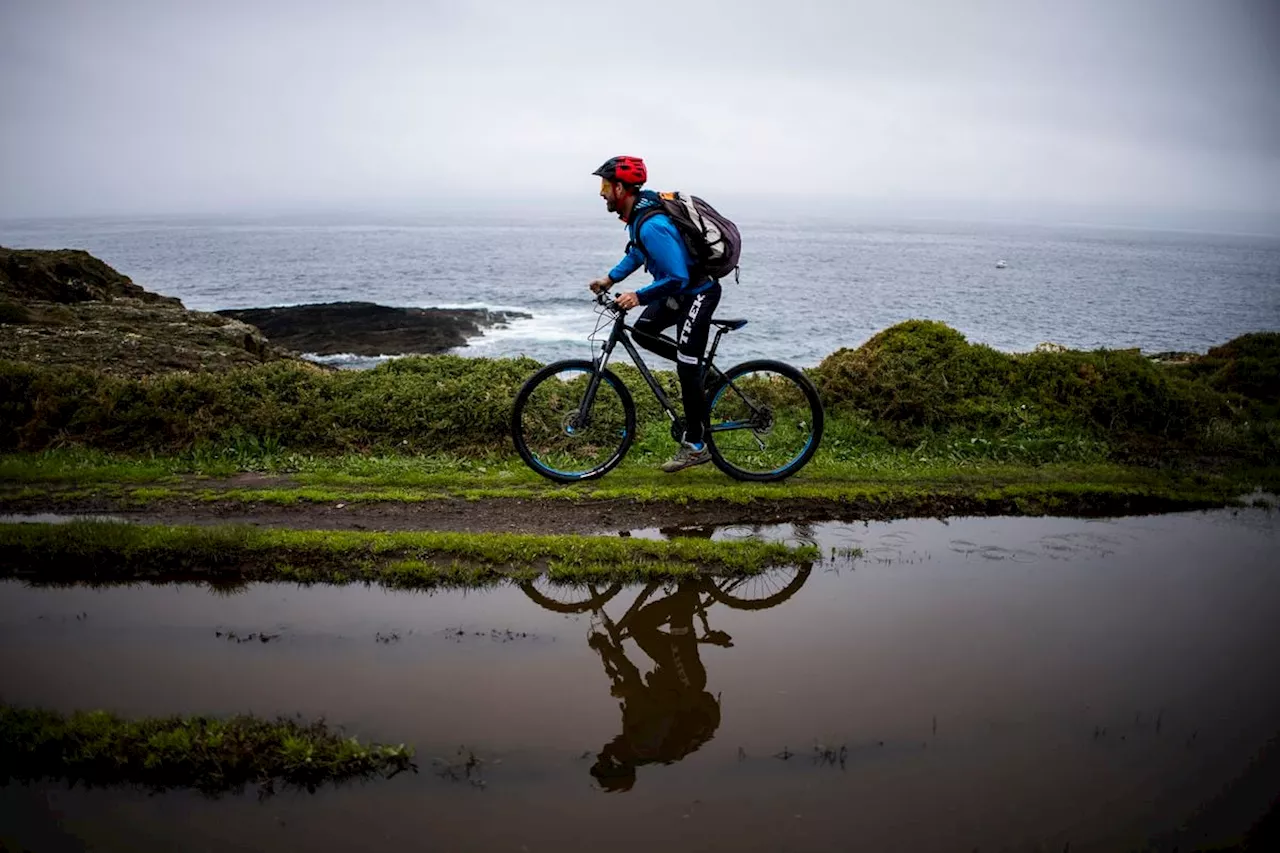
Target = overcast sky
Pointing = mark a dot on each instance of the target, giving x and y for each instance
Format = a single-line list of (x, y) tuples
[(133, 106)]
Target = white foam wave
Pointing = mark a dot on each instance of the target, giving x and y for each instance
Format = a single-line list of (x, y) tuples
[(560, 333), (480, 306), (349, 360), (542, 328)]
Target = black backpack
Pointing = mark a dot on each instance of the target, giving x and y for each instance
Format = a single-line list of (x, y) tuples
[(710, 237)]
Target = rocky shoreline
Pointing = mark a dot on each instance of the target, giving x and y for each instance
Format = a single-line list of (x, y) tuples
[(66, 308), (364, 328)]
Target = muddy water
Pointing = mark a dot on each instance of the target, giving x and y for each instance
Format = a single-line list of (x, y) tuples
[(975, 683)]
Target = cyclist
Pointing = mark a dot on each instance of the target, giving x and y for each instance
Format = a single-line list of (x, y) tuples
[(677, 296)]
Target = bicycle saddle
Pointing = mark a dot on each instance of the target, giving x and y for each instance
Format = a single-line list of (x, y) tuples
[(729, 325)]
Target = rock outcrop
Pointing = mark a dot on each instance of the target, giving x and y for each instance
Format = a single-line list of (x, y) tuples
[(67, 308), (67, 276), (363, 328)]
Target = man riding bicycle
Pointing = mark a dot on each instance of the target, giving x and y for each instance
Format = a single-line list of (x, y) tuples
[(676, 296)]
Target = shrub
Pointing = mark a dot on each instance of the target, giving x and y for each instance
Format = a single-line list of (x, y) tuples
[(922, 378), (1117, 391), (917, 383), (1248, 365), (441, 403), (920, 374)]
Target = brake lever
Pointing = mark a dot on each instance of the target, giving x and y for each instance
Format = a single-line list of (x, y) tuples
[(611, 303)]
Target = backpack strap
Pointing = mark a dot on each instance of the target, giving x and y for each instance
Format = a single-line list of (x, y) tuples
[(645, 212)]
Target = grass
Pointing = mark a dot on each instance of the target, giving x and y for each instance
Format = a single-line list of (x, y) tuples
[(914, 415), (211, 755), (917, 386), (888, 479), (105, 552), (844, 453)]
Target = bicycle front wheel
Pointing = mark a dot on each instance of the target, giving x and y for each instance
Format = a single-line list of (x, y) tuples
[(764, 420), (562, 435), (760, 592)]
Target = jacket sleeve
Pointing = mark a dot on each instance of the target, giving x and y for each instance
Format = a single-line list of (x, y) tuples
[(630, 262), (666, 257)]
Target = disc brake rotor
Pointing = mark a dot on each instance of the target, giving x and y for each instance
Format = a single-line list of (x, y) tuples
[(762, 421), (571, 424)]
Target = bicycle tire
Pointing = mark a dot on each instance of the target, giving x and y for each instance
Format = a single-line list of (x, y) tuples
[(595, 601), (544, 424), (724, 596), (766, 399)]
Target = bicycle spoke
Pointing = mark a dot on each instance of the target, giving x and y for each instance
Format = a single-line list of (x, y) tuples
[(561, 439), (764, 421), (762, 591)]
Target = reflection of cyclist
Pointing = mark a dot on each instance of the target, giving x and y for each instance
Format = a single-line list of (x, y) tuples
[(669, 713)]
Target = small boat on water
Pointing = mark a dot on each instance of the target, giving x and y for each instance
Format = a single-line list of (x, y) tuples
[(1001, 264)]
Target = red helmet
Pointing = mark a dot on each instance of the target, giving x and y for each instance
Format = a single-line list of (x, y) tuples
[(627, 170)]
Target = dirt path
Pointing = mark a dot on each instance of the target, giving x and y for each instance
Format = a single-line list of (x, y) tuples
[(525, 515)]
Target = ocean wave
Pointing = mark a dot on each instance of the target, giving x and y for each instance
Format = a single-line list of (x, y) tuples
[(349, 360), (479, 306), (542, 328)]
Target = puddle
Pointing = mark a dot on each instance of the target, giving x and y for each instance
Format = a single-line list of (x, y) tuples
[(990, 683)]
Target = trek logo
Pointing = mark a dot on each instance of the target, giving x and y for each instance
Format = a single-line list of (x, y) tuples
[(687, 329)]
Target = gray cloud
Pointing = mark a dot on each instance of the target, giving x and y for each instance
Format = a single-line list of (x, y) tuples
[(158, 106)]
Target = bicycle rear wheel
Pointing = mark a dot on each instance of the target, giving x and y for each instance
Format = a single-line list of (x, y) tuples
[(764, 420), (560, 438)]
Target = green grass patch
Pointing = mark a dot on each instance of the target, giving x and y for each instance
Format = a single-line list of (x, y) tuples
[(589, 572), (111, 552), (916, 387), (901, 479), (211, 755)]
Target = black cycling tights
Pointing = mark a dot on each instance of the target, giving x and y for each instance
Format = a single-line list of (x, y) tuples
[(692, 316)]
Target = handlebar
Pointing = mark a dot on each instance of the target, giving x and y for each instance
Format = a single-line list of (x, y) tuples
[(606, 299)]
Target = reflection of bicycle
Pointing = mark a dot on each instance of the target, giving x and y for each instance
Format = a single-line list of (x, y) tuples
[(575, 420), (750, 592), (667, 712)]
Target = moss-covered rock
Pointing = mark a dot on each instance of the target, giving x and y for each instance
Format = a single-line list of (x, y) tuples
[(67, 276), (65, 308)]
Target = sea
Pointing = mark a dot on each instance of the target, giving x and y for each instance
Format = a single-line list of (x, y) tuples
[(809, 285)]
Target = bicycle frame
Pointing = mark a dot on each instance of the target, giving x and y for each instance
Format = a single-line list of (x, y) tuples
[(619, 333)]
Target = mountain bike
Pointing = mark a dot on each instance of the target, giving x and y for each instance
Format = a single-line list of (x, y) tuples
[(575, 420)]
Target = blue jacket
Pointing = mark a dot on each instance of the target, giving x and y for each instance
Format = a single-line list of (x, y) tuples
[(664, 256)]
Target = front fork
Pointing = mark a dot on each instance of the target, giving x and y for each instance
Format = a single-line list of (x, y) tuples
[(606, 351), (589, 398)]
